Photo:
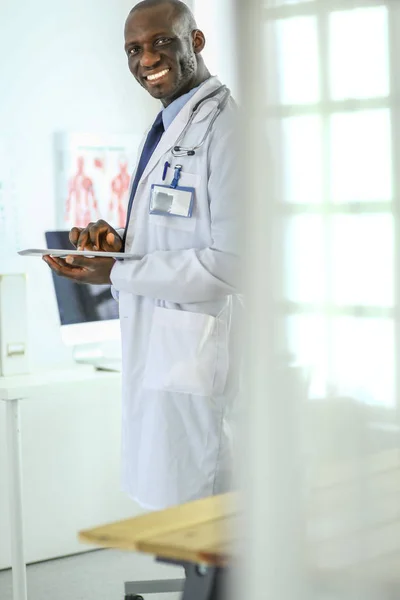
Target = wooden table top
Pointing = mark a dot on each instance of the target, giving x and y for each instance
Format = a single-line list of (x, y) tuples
[(335, 542), (199, 532)]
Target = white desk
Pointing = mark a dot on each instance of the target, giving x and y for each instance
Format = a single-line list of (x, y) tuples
[(12, 391)]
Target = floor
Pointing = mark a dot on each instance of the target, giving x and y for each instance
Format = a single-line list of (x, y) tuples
[(96, 575)]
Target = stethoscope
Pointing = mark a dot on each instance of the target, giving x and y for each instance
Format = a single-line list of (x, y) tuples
[(179, 150)]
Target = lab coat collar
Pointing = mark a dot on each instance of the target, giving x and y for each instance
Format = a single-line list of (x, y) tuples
[(208, 86), (173, 132)]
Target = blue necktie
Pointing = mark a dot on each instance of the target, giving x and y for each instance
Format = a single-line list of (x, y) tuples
[(150, 145)]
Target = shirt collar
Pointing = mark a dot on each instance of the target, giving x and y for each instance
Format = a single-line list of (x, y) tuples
[(171, 111)]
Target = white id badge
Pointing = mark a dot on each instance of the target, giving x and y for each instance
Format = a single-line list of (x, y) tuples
[(171, 202)]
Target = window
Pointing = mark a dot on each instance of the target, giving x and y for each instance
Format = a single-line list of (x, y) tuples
[(332, 118)]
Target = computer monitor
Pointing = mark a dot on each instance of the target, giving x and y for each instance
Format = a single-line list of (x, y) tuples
[(88, 313)]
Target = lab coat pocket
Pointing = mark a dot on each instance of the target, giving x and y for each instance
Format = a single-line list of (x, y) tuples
[(188, 353)]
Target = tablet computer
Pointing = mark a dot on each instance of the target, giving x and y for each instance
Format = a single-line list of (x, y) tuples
[(63, 253)]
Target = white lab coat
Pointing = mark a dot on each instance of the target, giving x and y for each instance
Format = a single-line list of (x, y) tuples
[(177, 302)]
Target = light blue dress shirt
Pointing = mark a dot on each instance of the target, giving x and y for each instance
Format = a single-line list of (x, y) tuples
[(171, 111)]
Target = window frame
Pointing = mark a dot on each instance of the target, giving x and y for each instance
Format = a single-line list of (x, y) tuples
[(325, 108)]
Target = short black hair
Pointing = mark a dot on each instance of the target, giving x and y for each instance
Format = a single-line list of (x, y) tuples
[(181, 11)]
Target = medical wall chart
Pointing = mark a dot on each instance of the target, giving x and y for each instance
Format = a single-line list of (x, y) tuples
[(93, 174)]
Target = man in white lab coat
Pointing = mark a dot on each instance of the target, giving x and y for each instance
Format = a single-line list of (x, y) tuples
[(177, 293)]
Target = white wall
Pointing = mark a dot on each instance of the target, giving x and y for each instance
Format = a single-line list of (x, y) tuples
[(216, 18), (63, 68)]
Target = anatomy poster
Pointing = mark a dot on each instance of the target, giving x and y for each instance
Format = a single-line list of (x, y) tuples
[(93, 177)]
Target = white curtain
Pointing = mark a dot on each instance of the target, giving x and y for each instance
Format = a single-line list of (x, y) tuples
[(319, 82)]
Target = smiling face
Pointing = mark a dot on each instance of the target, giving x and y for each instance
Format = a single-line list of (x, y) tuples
[(163, 52)]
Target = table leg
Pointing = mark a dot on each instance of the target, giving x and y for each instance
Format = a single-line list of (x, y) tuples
[(204, 583), (15, 496)]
